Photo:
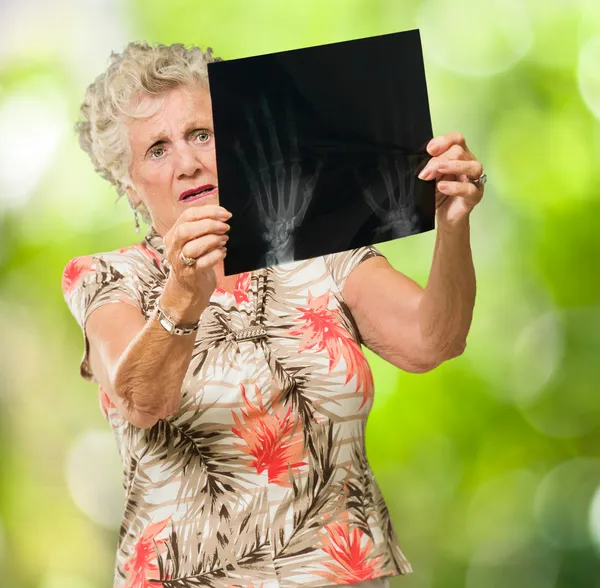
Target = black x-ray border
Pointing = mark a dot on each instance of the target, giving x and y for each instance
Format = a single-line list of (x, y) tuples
[(318, 149)]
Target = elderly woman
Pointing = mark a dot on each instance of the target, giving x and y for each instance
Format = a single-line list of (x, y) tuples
[(239, 403)]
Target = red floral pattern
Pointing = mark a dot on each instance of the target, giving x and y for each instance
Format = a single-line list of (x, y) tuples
[(351, 549), (242, 285), (323, 329), (74, 271), (105, 402), (240, 290), (274, 439), (274, 464), (142, 568)]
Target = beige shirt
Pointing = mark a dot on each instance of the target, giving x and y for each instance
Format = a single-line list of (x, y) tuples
[(261, 478)]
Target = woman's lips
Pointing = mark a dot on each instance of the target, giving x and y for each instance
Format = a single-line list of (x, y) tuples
[(205, 194)]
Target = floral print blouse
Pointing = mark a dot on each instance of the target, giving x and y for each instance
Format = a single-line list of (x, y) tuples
[(261, 477)]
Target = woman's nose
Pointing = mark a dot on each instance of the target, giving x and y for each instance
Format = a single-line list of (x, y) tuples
[(188, 162)]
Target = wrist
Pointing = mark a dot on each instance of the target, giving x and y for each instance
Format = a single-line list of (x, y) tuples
[(461, 226), (183, 306)]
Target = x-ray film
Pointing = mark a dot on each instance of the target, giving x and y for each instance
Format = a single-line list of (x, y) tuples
[(318, 149)]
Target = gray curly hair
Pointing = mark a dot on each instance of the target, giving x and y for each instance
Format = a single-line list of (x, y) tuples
[(140, 69)]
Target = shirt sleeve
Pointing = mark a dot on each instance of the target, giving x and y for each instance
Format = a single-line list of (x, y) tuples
[(340, 265), (88, 282)]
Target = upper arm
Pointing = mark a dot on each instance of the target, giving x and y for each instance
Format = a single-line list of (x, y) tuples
[(384, 304), (110, 329), (108, 308)]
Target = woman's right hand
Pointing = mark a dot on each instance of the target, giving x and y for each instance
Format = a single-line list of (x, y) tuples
[(199, 232)]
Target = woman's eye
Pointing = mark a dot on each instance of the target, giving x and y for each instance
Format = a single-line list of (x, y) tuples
[(156, 152), (204, 136)]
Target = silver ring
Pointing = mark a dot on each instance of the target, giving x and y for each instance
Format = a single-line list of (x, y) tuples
[(481, 180), (187, 260)]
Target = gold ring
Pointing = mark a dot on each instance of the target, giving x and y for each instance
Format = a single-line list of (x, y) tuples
[(189, 261)]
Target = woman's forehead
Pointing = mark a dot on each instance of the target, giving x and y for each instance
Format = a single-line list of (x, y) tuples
[(181, 98), (178, 110)]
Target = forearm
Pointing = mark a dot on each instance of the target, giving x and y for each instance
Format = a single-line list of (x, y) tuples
[(446, 307), (150, 373)]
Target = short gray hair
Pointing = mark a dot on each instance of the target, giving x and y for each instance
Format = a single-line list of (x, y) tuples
[(140, 69)]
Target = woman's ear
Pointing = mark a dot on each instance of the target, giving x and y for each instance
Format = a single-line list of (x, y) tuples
[(132, 196), (138, 205)]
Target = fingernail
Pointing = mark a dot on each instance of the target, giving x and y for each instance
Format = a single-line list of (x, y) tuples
[(423, 173)]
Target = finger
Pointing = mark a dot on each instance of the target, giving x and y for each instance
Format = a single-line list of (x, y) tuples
[(211, 259), (193, 230), (275, 147), (439, 145), (262, 158), (467, 190), (471, 169), (430, 171), (200, 247), (194, 213)]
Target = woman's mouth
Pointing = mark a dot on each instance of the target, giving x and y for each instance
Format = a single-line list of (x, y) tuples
[(198, 193)]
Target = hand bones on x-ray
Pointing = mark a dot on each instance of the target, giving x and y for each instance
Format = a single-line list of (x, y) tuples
[(282, 210), (397, 212)]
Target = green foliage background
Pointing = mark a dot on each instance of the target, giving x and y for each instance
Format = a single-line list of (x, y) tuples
[(490, 463)]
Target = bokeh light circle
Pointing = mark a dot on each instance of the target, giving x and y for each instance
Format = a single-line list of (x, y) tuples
[(500, 516), (562, 503), (534, 567), (538, 353), (475, 38), (549, 18), (496, 328), (594, 518), (588, 74), (94, 477), (33, 121), (569, 405)]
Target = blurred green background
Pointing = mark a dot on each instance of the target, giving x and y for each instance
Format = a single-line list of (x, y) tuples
[(490, 463)]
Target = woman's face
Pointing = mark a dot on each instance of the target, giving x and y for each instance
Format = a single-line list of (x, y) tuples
[(173, 152)]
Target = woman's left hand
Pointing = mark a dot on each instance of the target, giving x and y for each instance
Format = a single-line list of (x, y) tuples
[(453, 166)]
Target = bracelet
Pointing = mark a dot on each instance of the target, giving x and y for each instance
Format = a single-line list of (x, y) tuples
[(170, 325)]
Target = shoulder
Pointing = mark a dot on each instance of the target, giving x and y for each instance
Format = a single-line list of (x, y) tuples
[(124, 264), (83, 270), (341, 265)]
